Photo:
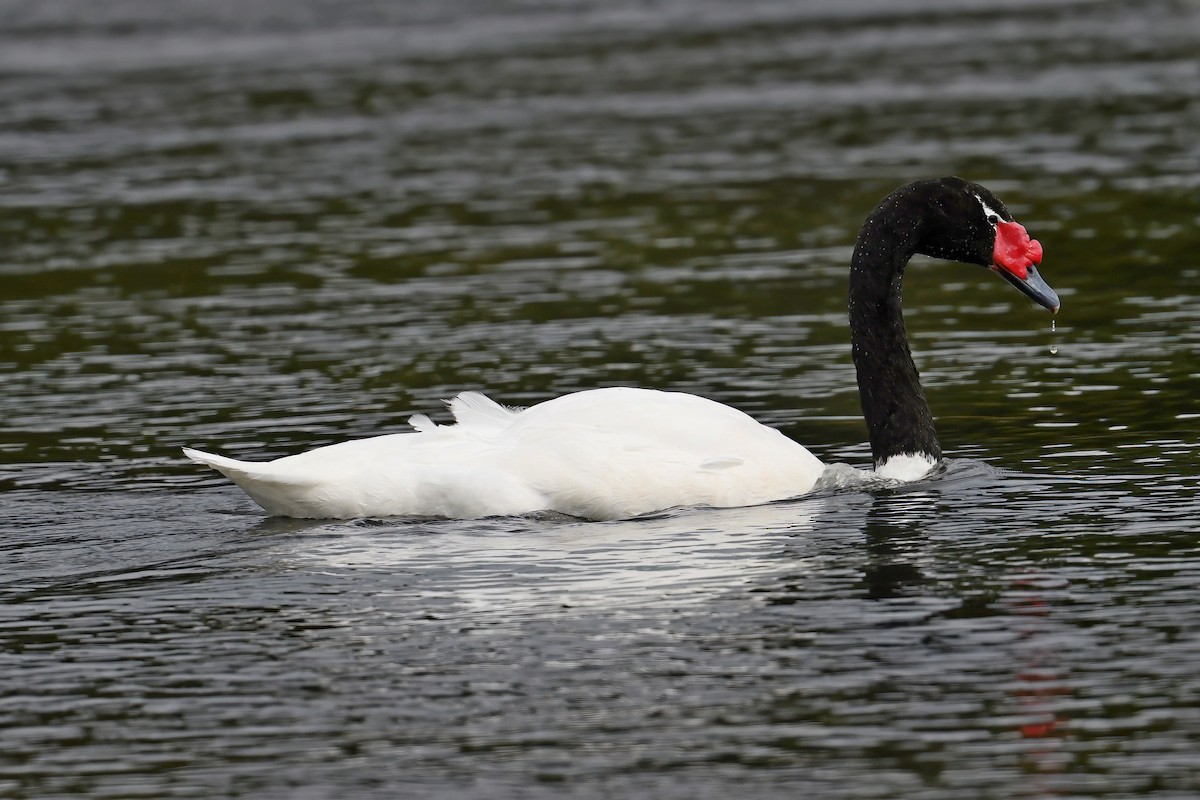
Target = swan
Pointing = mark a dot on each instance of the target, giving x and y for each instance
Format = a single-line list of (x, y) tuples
[(618, 452)]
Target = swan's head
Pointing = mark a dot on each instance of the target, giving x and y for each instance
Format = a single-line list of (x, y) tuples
[(963, 221)]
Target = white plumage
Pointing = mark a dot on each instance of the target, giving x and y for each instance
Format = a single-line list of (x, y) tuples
[(599, 454)]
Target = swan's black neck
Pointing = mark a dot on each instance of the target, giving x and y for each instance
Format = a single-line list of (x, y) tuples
[(898, 418)]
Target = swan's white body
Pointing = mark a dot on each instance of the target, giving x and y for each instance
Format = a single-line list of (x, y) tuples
[(599, 454)]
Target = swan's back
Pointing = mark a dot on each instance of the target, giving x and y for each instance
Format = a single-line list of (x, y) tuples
[(618, 452)]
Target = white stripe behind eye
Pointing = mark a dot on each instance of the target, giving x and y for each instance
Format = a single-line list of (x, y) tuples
[(988, 211)]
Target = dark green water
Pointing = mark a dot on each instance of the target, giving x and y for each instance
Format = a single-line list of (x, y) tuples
[(261, 227)]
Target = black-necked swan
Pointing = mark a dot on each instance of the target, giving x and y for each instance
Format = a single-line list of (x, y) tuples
[(618, 452)]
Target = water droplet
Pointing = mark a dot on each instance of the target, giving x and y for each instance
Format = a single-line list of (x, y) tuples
[(1053, 330), (1053, 349)]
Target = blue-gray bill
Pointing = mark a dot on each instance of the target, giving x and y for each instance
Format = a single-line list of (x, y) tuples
[(1033, 287)]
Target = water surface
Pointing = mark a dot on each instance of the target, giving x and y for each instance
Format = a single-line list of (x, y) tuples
[(258, 228)]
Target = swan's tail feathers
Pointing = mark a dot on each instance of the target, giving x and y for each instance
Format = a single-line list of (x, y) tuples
[(281, 490), (242, 471), (473, 408)]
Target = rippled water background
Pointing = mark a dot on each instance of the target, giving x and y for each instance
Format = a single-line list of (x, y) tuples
[(259, 227)]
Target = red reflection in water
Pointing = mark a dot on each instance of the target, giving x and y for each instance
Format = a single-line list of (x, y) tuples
[(1039, 682)]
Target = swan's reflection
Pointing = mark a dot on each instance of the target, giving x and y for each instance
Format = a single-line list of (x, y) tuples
[(546, 564), (896, 541)]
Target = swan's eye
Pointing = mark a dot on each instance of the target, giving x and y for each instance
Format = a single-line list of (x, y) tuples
[(993, 219)]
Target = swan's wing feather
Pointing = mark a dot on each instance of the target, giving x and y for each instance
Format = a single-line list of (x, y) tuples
[(475, 409), (421, 423)]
